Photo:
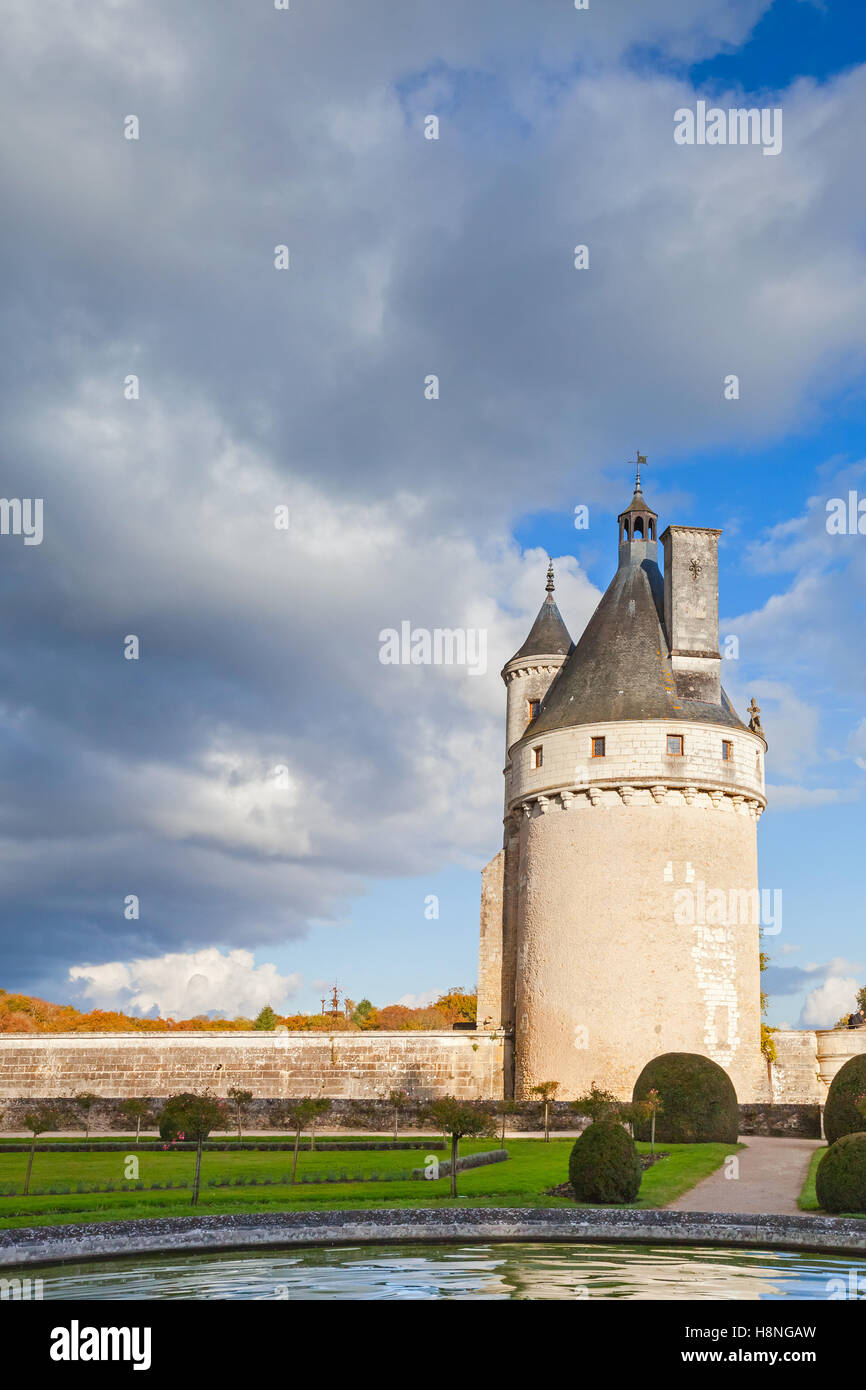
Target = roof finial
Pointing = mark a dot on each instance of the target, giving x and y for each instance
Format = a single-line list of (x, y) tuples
[(549, 585), (641, 458)]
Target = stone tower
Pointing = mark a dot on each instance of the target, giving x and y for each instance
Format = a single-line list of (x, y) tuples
[(621, 918)]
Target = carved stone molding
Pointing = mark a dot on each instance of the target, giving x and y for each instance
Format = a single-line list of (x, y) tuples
[(570, 797), (533, 669)]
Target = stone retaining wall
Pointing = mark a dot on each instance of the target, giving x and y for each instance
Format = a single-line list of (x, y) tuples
[(343, 1065)]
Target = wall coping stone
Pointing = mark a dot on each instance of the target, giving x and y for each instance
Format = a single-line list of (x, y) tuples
[(100, 1240)]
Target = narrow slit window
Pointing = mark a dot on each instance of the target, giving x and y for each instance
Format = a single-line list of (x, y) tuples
[(598, 747), (537, 756), (533, 708), (727, 750), (675, 745)]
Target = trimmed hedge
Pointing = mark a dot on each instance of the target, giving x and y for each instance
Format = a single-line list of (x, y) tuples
[(840, 1182), (840, 1114), (604, 1165), (470, 1161), (213, 1146), (700, 1103)]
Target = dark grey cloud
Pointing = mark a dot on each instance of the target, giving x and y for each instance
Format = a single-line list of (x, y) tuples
[(257, 388)]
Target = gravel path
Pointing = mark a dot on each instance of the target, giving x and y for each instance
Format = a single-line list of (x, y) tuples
[(771, 1175)]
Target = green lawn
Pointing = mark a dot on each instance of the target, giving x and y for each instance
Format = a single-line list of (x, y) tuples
[(807, 1201), (522, 1180)]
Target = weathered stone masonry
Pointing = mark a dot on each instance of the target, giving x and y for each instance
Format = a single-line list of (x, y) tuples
[(342, 1065)]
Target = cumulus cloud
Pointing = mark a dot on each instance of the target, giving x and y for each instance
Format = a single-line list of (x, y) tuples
[(185, 985), (420, 1001), (824, 1005), (259, 648)]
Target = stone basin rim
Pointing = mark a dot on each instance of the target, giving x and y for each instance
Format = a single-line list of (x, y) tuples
[(153, 1236)]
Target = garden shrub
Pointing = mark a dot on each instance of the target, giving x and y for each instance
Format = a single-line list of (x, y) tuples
[(840, 1182), (841, 1115), (604, 1165), (700, 1103)]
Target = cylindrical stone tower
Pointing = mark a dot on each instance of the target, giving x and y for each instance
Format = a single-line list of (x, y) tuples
[(629, 876)]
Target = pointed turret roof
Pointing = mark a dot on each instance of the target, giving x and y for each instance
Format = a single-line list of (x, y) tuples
[(548, 635), (620, 667)]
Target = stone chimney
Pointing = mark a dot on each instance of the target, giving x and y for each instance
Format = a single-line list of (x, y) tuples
[(692, 611)]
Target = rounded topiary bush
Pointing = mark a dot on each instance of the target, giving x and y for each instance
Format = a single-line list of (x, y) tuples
[(841, 1115), (840, 1183), (700, 1103), (604, 1166)]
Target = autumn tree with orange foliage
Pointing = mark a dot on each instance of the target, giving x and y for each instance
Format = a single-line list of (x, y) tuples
[(21, 1013)]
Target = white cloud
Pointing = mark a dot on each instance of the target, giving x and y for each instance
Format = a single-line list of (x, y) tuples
[(420, 1001), (184, 985), (824, 1005)]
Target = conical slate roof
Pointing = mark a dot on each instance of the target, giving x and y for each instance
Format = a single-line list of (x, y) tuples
[(548, 635), (620, 668)]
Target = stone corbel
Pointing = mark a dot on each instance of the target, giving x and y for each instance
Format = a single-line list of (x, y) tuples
[(544, 804), (526, 808), (689, 794), (594, 794), (627, 794), (658, 794), (567, 799), (716, 798), (738, 801)]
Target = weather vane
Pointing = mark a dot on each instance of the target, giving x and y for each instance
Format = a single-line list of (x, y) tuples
[(641, 459)]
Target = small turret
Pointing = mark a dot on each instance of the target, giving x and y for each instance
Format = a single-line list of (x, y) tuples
[(638, 534), (529, 673)]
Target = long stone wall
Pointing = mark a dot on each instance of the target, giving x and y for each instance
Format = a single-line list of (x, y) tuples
[(344, 1066)]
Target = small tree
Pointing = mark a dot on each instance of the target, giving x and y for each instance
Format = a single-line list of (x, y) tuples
[(546, 1090), (460, 1118), (195, 1116), (85, 1101), (597, 1104), (296, 1115), (240, 1100), (502, 1108), (646, 1109), (319, 1105), (267, 1020), (397, 1099), (43, 1118), (137, 1112)]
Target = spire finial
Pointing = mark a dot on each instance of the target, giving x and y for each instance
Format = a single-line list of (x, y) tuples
[(549, 585), (641, 458)]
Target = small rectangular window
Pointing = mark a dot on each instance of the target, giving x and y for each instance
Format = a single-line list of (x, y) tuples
[(537, 757), (533, 708), (598, 747), (727, 750), (675, 745)]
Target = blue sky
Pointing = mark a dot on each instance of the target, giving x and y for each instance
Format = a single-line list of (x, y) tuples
[(408, 257)]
